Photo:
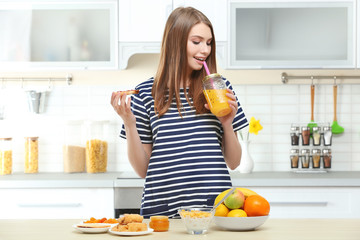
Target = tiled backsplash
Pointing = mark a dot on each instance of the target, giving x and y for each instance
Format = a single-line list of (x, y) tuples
[(277, 106)]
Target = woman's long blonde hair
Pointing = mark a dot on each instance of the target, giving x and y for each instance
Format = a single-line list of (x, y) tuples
[(173, 62)]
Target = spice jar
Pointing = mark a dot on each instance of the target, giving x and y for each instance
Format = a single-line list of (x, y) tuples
[(305, 136), (74, 147), (295, 135), (305, 158), (5, 156), (327, 158), (159, 223), (31, 154), (327, 136), (294, 158), (316, 155), (316, 136), (96, 150)]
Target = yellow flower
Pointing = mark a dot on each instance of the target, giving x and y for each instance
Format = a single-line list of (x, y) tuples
[(254, 126)]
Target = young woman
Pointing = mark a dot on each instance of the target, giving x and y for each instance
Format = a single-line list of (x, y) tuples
[(174, 142)]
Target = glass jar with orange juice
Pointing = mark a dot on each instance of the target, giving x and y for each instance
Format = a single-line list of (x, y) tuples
[(215, 93), (159, 223)]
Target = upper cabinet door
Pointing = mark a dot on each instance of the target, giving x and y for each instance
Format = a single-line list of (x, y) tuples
[(143, 20), (58, 35), (215, 10), (292, 34)]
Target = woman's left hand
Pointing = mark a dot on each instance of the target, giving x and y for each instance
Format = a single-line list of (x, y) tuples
[(228, 119)]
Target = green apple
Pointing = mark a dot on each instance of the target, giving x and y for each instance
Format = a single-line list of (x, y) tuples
[(235, 200)]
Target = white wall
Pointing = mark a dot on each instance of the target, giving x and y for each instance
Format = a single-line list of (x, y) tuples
[(277, 105)]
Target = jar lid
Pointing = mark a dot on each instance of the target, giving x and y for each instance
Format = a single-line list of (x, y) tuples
[(32, 138), (294, 151), (316, 128), (213, 75), (159, 218), (314, 151), (296, 128), (6, 138), (305, 128), (305, 151), (326, 151), (327, 128)]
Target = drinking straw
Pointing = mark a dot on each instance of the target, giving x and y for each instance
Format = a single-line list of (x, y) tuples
[(206, 68)]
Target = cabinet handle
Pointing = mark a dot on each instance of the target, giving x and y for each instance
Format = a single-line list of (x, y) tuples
[(300, 203), (48, 205)]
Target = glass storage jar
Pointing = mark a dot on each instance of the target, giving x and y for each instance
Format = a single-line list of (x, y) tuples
[(327, 157), (327, 136), (316, 136), (295, 135), (305, 158), (5, 156), (74, 147), (31, 154), (316, 158), (96, 150), (305, 136), (294, 158)]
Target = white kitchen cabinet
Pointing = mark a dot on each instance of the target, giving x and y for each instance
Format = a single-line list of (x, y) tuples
[(56, 203), (312, 202), (215, 10), (52, 34), (141, 27), (292, 34)]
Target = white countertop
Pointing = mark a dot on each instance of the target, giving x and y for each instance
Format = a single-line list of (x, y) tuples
[(130, 179)]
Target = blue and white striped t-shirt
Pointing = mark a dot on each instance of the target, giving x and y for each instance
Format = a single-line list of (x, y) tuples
[(186, 167)]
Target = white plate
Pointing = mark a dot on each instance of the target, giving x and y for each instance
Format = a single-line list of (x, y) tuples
[(91, 230), (240, 223), (150, 230), (111, 224)]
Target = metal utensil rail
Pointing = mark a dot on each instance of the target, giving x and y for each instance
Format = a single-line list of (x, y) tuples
[(68, 79), (285, 78)]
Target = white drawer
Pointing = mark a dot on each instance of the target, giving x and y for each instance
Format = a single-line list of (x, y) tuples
[(56, 203)]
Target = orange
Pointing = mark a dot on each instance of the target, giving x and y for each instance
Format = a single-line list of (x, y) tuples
[(256, 205), (221, 211), (237, 213)]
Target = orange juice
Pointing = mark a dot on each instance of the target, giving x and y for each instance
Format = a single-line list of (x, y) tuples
[(217, 101)]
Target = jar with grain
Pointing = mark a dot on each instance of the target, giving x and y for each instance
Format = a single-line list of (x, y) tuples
[(294, 158), (96, 150), (5, 156), (327, 157), (316, 136), (316, 156), (74, 147), (31, 154), (305, 135), (295, 135)]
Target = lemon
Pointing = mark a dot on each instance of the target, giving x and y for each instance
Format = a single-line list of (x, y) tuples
[(237, 213), (221, 211)]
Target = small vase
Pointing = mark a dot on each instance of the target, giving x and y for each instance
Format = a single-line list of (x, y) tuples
[(246, 163)]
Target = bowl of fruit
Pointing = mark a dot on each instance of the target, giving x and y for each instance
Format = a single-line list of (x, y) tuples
[(243, 210)]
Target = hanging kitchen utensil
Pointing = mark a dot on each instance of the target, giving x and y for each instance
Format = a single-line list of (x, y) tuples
[(335, 127), (36, 100), (312, 124)]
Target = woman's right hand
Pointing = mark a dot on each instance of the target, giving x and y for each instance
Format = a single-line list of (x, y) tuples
[(122, 107)]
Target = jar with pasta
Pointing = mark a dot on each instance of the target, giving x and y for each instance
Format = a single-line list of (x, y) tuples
[(31, 154), (96, 149), (5, 156)]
